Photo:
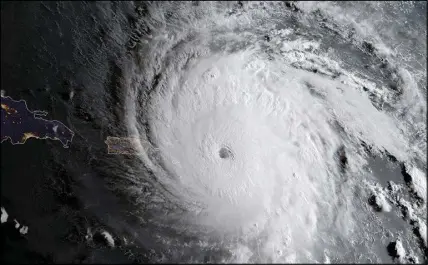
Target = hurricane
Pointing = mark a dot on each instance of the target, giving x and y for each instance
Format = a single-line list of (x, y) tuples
[(260, 128)]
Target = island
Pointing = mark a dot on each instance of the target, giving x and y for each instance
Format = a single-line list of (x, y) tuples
[(18, 124), (122, 145)]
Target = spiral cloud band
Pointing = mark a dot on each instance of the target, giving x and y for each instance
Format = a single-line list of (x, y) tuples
[(254, 120)]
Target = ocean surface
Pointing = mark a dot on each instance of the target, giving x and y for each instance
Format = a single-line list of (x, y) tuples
[(284, 132)]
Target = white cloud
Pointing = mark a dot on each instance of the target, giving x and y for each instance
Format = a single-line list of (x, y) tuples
[(109, 238), (4, 215)]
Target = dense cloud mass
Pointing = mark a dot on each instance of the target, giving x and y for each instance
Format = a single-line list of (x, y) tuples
[(286, 132), (256, 118)]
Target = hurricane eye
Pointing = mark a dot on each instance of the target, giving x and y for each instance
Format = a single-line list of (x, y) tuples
[(225, 153)]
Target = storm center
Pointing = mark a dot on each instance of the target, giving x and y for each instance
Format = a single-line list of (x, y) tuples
[(225, 153)]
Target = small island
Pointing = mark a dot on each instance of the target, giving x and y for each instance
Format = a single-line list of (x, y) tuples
[(19, 124), (122, 145)]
